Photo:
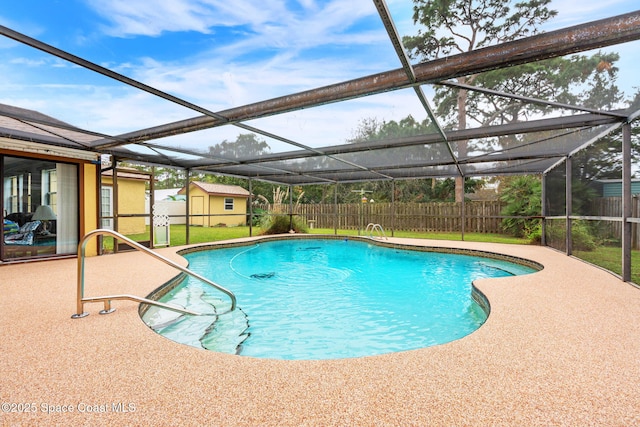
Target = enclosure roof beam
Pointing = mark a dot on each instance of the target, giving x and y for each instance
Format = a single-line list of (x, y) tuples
[(383, 11), (37, 44), (398, 46), (557, 123), (595, 139), (450, 83), (580, 38), (591, 141), (321, 174), (204, 167)]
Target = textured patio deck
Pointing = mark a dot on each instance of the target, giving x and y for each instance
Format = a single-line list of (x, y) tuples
[(560, 347)]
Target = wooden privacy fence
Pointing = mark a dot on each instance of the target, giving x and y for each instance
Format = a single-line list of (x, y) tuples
[(480, 217), (612, 207)]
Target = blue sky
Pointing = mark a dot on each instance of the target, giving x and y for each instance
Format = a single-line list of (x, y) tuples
[(220, 54)]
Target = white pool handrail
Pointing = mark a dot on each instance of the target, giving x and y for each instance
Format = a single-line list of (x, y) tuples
[(371, 227)]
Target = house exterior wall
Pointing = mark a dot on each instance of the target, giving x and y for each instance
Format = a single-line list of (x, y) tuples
[(131, 201), (614, 189), (89, 204)]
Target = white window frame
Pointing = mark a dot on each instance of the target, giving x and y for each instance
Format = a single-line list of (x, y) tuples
[(106, 191), (228, 203)]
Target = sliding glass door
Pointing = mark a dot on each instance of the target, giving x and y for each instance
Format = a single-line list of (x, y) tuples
[(39, 207)]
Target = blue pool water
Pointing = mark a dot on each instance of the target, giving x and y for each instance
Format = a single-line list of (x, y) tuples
[(327, 299)]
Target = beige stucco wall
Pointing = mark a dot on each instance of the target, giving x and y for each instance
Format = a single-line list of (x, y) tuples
[(131, 200), (89, 205), (237, 216)]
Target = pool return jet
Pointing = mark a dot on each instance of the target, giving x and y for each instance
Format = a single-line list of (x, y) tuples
[(81, 299)]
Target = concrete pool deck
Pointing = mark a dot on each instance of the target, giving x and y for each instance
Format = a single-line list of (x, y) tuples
[(560, 347)]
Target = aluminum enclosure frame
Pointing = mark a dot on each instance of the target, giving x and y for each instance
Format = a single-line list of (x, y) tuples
[(366, 161)]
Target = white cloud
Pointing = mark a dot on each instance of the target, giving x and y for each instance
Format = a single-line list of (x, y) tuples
[(571, 12), (267, 23), (29, 62), (135, 17), (269, 58)]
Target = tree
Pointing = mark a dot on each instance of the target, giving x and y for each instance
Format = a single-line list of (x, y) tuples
[(245, 146), (371, 129), (457, 26), (169, 178), (418, 190), (577, 80), (521, 196)]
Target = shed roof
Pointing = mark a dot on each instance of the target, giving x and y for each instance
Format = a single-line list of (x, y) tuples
[(218, 189)]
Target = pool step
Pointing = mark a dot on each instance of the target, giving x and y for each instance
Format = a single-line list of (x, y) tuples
[(223, 333), (158, 318), (179, 327), (229, 330)]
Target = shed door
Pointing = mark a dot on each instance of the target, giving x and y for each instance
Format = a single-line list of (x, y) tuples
[(197, 209)]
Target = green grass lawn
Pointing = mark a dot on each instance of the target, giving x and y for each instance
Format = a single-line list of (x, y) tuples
[(196, 235), (611, 258), (207, 234), (213, 234), (469, 237)]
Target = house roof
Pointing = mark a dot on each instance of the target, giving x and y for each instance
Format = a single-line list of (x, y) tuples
[(128, 174), (615, 180), (28, 125), (218, 189), (25, 114)]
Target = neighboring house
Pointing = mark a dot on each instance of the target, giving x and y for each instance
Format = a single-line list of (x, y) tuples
[(216, 204), (613, 187), (131, 200), (61, 180)]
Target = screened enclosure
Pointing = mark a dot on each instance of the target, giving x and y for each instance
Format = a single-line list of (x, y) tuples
[(337, 117)]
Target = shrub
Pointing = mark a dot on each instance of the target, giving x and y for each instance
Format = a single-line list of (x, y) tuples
[(256, 218), (535, 235), (278, 224), (581, 237)]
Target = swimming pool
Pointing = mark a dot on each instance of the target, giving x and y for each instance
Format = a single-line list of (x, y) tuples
[(327, 299)]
